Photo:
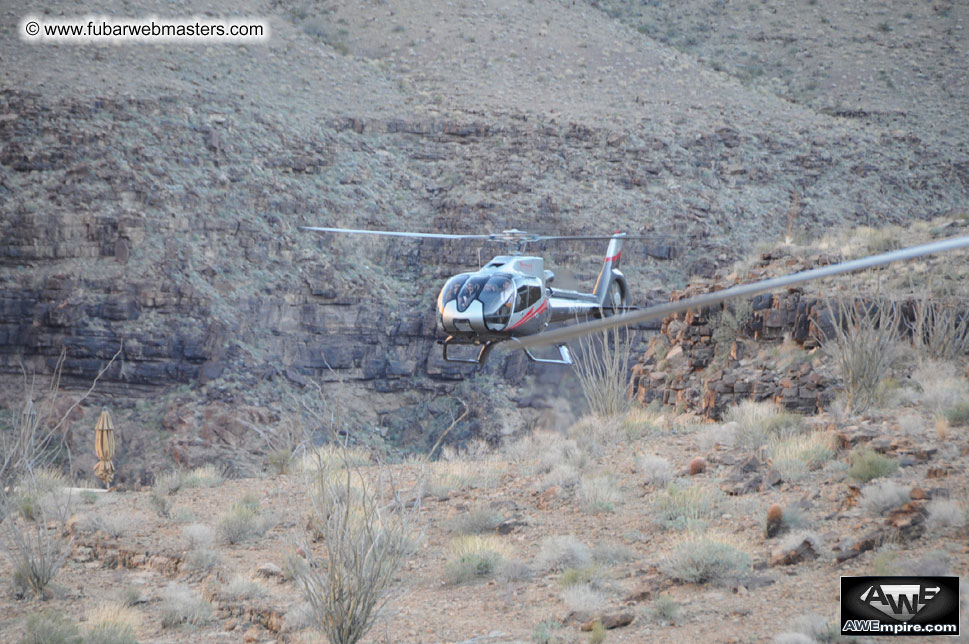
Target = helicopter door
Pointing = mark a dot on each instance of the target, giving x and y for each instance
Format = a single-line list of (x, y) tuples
[(527, 296)]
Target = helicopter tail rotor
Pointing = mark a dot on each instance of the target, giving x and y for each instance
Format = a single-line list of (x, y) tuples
[(610, 288)]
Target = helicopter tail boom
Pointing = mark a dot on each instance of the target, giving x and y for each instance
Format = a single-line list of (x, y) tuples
[(609, 265)]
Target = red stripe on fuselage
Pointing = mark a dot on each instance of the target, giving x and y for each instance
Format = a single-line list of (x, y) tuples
[(614, 257), (530, 315)]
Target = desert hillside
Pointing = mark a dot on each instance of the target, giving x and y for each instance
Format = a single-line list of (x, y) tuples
[(150, 200)]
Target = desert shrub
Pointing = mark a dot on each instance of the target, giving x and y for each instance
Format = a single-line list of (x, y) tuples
[(727, 325), (544, 632), (863, 341), (602, 364), (594, 434), (333, 457), (958, 414), (940, 329), (590, 575), (50, 627), (867, 464), (599, 493), (881, 496), (367, 527), (279, 461), (37, 548), (564, 475), (473, 557), (704, 559), (797, 455), (203, 476), (598, 633), (760, 422), (609, 554), (554, 450), (241, 522), (664, 609), (511, 570), (944, 513), (885, 562), (477, 521), (165, 486), (813, 628), (113, 525), (583, 598), (641, 421), (940, 387), (682, 506), (197, 535), (180, 605), (202, 559), (112, 624), (88, 497), (656, 470), (562, 551), (240, 588)]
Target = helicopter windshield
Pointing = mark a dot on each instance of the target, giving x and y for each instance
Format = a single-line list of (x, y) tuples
[(498, 290), (497, 299), (470, 291), (451, 289)]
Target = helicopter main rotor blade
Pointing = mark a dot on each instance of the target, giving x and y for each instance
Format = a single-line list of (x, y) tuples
[(507, 236), (390, 233), (558, 336), (621, 236)]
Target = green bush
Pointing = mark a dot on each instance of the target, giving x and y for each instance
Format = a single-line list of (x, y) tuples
[(685, 506), (471, 566), (958, 416), (867, 464)]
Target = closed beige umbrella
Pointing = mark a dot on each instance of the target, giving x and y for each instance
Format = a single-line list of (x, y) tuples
[(104, 446)]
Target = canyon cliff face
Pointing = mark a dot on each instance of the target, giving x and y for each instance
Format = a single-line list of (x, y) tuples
[(151, 202)]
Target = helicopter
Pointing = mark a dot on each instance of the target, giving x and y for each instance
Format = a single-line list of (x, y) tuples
[(511, 298), (512, 295)]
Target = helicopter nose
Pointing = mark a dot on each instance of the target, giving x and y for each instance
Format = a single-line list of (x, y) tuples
[(470, 320)]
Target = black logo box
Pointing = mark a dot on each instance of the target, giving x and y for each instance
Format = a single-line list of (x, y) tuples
[(942, 608)]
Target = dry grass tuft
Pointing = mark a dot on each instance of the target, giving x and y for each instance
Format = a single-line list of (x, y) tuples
[(881, 496), (181, 605), (203, 476), (685, 506), (760, 422), (113, 624), (562, 551), (656, 470), (599, 493), (474, 557), (795, 456), (709, 558)]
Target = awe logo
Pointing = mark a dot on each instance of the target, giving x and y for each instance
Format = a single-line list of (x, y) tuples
[(902, 606), (901, 601)]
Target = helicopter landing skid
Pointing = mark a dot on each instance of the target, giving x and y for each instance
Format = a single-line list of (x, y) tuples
[(565, 359), (482, 355)]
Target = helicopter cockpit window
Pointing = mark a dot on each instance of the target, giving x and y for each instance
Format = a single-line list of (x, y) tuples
[(497, 299), (451, 289), (471, 290)]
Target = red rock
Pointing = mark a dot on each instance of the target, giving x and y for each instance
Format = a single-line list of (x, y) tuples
[(609, 622)]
